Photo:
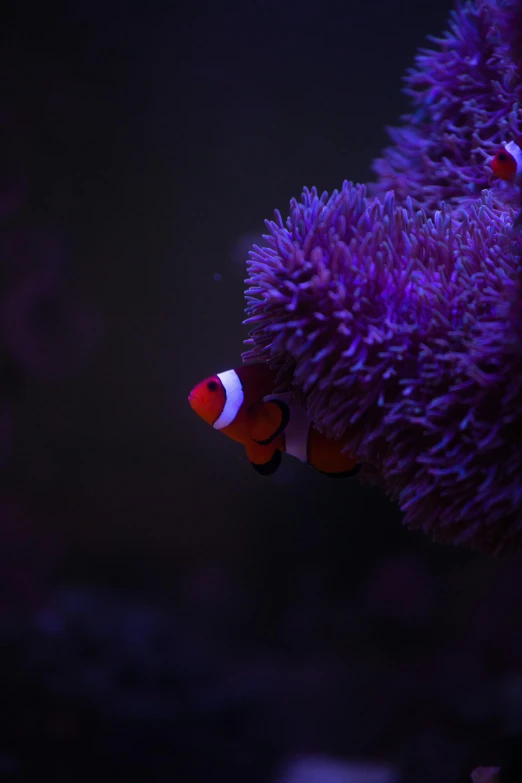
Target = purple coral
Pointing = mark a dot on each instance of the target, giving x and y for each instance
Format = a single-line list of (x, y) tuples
[(465, 97), (395, 327)]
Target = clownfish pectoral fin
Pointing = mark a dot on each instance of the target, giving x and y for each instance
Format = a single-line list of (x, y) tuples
[(264, 459), (267, 420), (267, 468), (345, 473)]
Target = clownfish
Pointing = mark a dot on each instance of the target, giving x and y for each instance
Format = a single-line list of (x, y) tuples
[(507, 163), (241, 405)]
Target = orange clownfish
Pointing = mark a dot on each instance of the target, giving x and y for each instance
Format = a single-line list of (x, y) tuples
[(507, 163), (241, 405)]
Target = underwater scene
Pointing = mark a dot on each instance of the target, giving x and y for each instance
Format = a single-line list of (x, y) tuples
[(261, 392)]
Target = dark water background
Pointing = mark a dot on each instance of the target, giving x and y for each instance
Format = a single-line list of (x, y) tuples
[(166, 614)]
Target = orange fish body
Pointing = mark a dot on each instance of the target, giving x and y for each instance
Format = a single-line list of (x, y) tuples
[(507, 163), (240, 404)]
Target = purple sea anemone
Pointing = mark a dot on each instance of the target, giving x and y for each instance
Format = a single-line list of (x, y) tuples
[(396, 318), (396, 329), (465, 97)]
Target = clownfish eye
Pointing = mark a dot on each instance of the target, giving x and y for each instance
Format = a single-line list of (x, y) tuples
[(502, 156), (212, 386)]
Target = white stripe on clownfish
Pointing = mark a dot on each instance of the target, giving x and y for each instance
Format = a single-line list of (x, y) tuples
[(514, 150), (233, 398), (297, 431)]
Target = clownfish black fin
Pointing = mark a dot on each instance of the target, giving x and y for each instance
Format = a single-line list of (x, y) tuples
[(270, 467), (344, 474), (268, 420)]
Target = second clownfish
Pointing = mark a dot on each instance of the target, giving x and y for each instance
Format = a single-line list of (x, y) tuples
[(241, 405), (507, 163)]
